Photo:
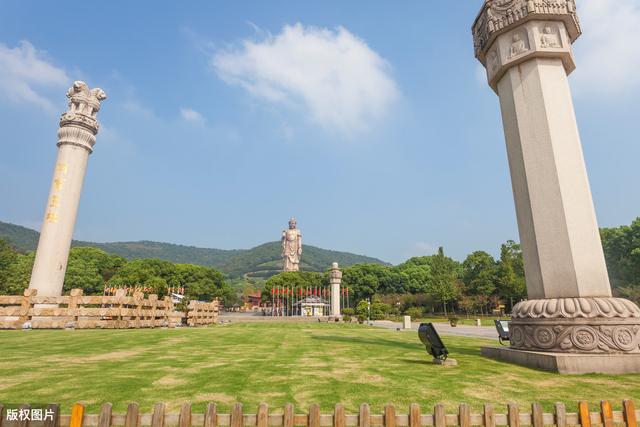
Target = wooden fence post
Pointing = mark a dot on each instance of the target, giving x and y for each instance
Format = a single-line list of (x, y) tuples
[(415, 415), (157, 419), (237, 417), (585, 416), (185, 415), (24, 422), (105, 415), (365, 416), (55, 421), (339, 416), (439, 418), (629, 411), (288, 415), (536, 415), (464, 415), (607, 413), (513, 415), (488, 417), (210, 415), (77, 415), (561, 415), (314, 415), (262, 418), (389, 416), (131, 420)]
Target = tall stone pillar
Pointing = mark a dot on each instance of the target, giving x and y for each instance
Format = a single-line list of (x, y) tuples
[(335, 279), (76, 138), (525, 46)]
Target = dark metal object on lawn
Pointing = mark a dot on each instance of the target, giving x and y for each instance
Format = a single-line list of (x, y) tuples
[(431, 340), (502, 326)]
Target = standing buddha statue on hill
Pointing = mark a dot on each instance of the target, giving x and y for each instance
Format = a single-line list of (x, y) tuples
[(291, 247)]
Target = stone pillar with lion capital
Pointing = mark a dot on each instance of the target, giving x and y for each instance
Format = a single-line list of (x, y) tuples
[(76, 138)]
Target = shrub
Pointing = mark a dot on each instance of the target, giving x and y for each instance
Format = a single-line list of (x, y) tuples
[(346, 318), (414, 312), (348, 311), (379, 310)]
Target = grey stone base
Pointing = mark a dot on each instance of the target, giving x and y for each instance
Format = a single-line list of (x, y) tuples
[(567, 363), (446, 362)]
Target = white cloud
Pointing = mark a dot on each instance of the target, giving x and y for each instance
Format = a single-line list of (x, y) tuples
[(333, 75), (192, 116), (25, 73), (608, 53)]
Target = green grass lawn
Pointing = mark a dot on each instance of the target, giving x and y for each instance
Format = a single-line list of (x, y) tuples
[(301, 363)]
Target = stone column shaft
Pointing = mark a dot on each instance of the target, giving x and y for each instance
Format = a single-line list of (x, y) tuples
[(59, 220), (76, 138), (556, 218)]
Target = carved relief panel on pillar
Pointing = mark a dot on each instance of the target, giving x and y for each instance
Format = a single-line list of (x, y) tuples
[(535, 39), (508, 32)]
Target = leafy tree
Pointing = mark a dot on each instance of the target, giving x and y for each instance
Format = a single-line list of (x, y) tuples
[(8, 256), (630, 292), (511, 281), (445, 272), (366, 280), (83, 274), (379, 309), (466, 304), (414, 312), (417, 277), (362, 309), (203, 283), (18, 274), (622, 252), (90, 268), (480, 273), (153, 273)]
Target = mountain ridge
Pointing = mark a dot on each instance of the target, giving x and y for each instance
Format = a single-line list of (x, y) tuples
[(261, 261)]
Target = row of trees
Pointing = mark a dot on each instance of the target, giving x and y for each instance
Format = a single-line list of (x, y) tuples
[(437, 282), (91, 269), (622, 252)]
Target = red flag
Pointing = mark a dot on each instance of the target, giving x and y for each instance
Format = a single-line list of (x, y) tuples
[(347, 291)]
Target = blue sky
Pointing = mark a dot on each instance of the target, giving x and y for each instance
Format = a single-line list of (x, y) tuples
[(370, 122)]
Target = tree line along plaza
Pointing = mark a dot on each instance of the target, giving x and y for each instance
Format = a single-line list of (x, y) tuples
[(568, 317)]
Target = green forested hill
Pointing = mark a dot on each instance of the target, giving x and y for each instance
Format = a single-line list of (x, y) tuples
[(261, 261)]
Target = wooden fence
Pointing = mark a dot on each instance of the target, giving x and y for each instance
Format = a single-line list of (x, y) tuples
[(514, 417), (88, 312)]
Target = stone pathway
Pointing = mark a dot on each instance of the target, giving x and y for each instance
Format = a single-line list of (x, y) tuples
[(447, 329)]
